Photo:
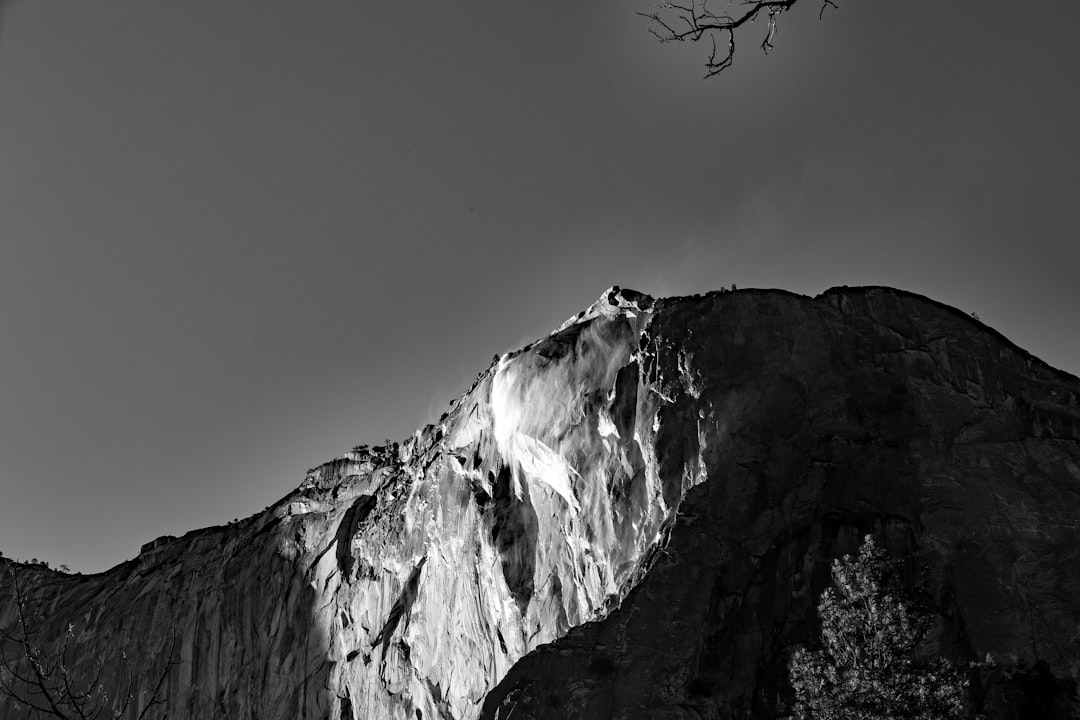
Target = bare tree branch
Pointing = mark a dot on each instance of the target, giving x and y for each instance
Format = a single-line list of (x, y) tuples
[(693, 20), (47, 685)]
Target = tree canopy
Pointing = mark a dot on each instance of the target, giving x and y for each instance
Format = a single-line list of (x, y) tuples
[(865, 669)]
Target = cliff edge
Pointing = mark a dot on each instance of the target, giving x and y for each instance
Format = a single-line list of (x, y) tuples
[(633, 518)]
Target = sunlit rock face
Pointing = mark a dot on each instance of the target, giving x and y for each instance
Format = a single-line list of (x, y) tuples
[(631, 518), (813, 423)]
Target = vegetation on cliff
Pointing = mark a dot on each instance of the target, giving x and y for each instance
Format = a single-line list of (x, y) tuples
[(865, 668)]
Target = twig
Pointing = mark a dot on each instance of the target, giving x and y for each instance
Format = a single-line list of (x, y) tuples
[(700, 21)]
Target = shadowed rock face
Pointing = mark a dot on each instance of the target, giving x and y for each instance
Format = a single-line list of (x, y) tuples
[(633, 517)]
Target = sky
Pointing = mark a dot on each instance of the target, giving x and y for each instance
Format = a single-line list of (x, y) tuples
[(237, 239)]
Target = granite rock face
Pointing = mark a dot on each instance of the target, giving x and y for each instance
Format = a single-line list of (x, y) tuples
[(633, 518)]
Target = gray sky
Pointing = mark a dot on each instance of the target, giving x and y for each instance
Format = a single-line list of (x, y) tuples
[(237, 239)]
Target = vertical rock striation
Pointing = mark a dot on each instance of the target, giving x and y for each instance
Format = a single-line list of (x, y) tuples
[(631, 517)]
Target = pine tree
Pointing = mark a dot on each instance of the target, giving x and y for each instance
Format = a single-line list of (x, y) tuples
[(865, 669)]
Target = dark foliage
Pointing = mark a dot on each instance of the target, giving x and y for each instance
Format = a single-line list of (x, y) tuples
[(865, 669)]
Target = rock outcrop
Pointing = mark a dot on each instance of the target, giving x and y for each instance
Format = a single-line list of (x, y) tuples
[(633, 518)]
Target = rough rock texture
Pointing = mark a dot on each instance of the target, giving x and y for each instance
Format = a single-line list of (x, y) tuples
[(632, 518)]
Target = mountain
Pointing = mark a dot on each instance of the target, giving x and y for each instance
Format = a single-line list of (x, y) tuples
[(631, 518)]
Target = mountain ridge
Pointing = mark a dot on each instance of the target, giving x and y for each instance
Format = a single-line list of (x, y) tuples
[(427, 577)]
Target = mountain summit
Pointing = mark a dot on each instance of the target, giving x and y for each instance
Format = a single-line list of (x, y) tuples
[(632, 517)]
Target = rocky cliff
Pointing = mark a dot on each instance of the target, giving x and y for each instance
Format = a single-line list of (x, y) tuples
[(632, 518)]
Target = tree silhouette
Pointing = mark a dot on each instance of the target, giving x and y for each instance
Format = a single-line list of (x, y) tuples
[(694, 20), (865, 669), (46, 683)]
